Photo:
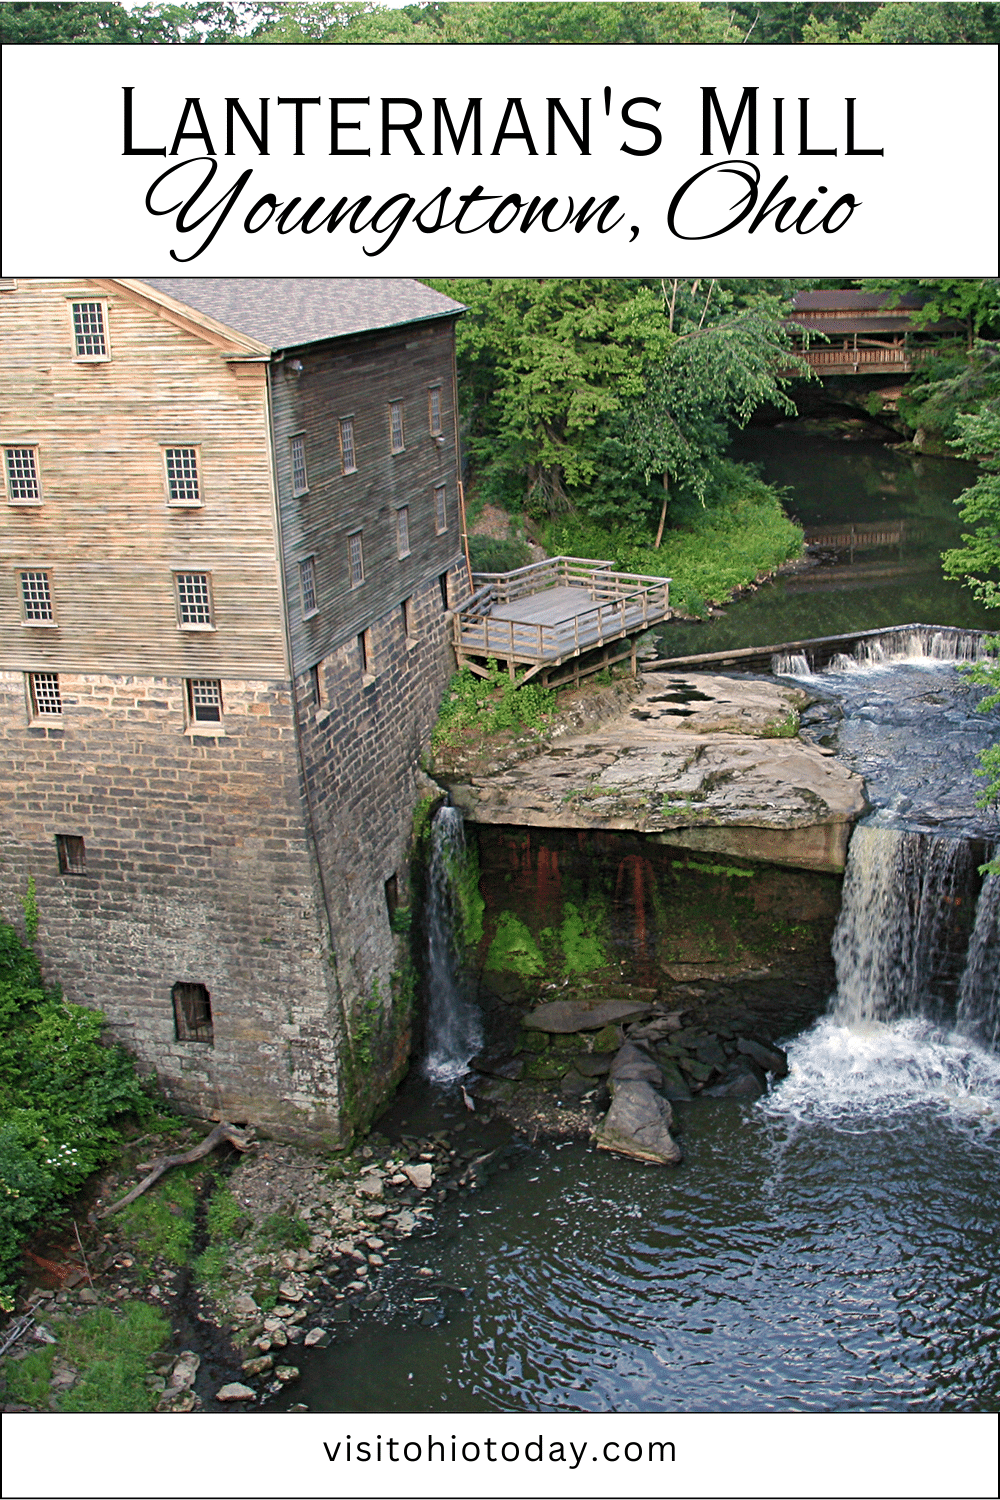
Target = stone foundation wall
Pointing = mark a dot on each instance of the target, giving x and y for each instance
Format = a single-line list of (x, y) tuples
[(198, 869), (363, 745)]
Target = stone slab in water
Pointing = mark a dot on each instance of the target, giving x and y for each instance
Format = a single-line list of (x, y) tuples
[(563, 1016), (638, 1125), (632, 1062)]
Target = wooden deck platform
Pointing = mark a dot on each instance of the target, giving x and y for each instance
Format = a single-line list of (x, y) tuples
[(573, 610)]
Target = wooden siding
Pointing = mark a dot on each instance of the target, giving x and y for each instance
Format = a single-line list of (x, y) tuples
[(358, 377), (104, 529)]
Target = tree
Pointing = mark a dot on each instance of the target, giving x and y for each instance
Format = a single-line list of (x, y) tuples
[(973, 301), (48, 25), (934, 24), (708, 376)]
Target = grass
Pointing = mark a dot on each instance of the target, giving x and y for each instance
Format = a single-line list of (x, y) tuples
[(160, 1224), (111, 1352), (488, 705)]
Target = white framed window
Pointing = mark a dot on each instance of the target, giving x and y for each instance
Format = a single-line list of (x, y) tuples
[(307, 584), (300, 478), (72, 854), (44, 696), (181, 466), (36, 597), (356, 560), (348, 458), (22, 476), (440, 509), (396, 435), (90, 331), (434, 410), (204, 700), (194, 601), (403, 531)]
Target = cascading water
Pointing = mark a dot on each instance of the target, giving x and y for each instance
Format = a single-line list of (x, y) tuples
[(454, 1021), (979, 993)]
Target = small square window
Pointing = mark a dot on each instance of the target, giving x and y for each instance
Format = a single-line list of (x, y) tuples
[(348, 463), (44, 695), (21, 468), (356, 560), (396, 443), (204, 700), (300, 479), (90, 330), (440, 509), (192, 1013), (403, 531), (307, 584), (434, 410), (183, 482), (36, 596), (72, 854), (194, 601)]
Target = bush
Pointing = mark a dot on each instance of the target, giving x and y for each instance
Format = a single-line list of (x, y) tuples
[(493, 555), (63, 1097), (489, 704)]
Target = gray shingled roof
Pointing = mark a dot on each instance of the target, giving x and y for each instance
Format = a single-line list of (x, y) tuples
[(283, 312)]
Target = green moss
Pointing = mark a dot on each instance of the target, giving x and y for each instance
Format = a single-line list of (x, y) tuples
[(608, 1039), (734, 870), (583, 950), (534, 1041), (546, 1067), (463, 879), (513, 949)]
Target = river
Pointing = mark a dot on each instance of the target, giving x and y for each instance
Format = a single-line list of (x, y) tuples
[(832, 1247)]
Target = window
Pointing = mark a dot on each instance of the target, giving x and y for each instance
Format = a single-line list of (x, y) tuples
[(316, 684), (21, 467), (434, 410), (72, 854), (440, 509), (347, 459), (192, 1013), (307, 584), (392, 897), (36, 595), (406, 609), (443, 586), (194, 601), (365, 652), (396, 426), (204, 700), (90, 336), (300, 479), (183, 483), (356, 560), (403, 531), (44, 695)]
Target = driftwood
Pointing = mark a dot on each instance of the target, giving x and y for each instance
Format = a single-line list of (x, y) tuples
[(241, 1139)]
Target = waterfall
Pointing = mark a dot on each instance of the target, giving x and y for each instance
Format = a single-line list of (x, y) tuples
[(914, 938), (454, 1022), (979, 993)]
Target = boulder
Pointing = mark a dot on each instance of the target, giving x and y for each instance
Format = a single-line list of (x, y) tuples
[(638, 1125), (593, 1064), (743, 1080), (234, 1391), (633, 1062), (772, 1059), (421, 1174), (673, 1085), (563, 1016)]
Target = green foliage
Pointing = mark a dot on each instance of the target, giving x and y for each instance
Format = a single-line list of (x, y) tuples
[(977, 562), (489, 704), (785, 728), (29, 902), (987, 674), (63, 1095), (160, 1225), (282, 1232), (497, 555), (109, 1350), (741, 532)]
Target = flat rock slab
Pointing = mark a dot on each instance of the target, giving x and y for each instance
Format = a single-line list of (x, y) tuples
[(708, 773), (564, 1016), (638, 1125)]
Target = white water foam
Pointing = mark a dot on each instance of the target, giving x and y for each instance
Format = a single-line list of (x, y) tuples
[(454, 1022)]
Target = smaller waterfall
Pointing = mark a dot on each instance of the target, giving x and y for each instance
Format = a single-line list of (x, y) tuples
[(454, 1021), (979, 993), (902, 938)]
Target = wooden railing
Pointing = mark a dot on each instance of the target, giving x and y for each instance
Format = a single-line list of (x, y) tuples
[(551, 573)]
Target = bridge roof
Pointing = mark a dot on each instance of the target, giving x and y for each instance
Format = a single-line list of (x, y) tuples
[(846, 299)]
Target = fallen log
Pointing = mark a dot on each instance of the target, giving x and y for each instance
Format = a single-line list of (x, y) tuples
[(241, 1139)]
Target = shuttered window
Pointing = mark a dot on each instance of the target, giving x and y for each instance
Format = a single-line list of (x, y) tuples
[(396, 443), (403, 531), (356, 560), (440, 509), (300, 479), (434, 410), (347, 459)]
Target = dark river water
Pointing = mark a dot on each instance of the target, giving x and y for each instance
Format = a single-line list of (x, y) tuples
[(832, 1247), (833, 483)]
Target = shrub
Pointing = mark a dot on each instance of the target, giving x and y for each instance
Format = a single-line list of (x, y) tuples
[(494, 555), (490, 704)]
